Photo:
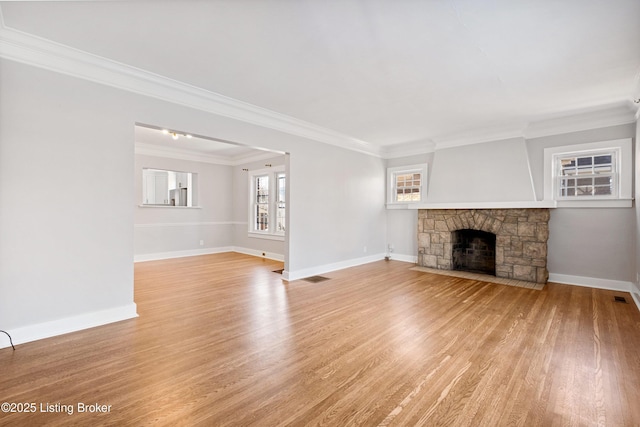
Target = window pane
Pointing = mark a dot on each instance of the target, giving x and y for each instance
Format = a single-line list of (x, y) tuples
[(603, 191), (262, 217), (262, 189), (281, 214), (583, 161), (600, 160), (584, 191), (585, 181), (281, 188)]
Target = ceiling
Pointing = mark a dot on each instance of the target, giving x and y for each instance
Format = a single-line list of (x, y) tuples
[(379, 71)]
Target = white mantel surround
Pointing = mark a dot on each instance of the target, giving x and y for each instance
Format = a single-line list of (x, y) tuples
[(485, 205)]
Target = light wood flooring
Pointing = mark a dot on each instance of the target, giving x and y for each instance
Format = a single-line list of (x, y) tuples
[(222, 340)]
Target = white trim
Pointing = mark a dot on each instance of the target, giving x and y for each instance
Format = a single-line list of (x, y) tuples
[(207, 251), (272, 173), (39, 52), (258, 253), (408, 149), (624, 171), (421, 168), (487, 205), (636, 298), (70, 324), (180, 254), (602, 203), (326, 268), (591, 282), (620, 113), (265, 236)]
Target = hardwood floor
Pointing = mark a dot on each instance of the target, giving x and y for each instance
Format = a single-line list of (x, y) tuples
[(221, 340)]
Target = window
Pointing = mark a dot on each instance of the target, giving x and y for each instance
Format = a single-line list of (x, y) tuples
[(267, 216), (406, 184), (168, 188), (589, 175), (586, 175)]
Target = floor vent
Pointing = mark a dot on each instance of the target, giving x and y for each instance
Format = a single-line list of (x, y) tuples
[(620, 299), (315, 279), (279, 271)]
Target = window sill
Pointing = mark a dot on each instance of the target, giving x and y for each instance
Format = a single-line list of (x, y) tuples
[(266, 236), (401, 205), (601, 203)]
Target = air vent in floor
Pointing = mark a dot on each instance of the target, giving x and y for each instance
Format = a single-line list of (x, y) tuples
[(279, 271), (620, 299)]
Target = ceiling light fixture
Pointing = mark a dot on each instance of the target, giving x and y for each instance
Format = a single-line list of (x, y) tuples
[(176, 135)]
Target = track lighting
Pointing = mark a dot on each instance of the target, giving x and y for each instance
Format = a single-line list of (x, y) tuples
[(176, 135)]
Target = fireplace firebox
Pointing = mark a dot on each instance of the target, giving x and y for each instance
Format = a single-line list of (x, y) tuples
[(474, 251)]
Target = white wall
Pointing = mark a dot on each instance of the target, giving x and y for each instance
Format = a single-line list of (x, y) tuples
[(596, 243), (162, 232), (337, 215), (495, 171), (67, 197), (402, 224)]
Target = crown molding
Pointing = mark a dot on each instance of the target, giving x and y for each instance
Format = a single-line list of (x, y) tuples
[(407, 149), (479, 136), (39, 52), (616, 114)]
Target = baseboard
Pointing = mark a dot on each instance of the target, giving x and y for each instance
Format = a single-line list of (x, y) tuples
[(635, 294), (207, 251), (180, 254), (326, 268), (413, 259), (591, 282), (258, 253), (68, 324)]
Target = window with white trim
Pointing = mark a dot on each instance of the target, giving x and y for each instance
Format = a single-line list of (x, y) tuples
[(590, 174), (267, 204), (406, 184), (581, 175)]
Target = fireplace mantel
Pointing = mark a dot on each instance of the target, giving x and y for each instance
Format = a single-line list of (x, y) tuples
[(545, 204)]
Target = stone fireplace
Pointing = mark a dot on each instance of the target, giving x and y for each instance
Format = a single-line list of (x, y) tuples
[(520, 241)]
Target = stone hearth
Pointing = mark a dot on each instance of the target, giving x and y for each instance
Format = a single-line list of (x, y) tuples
[(521, 239)]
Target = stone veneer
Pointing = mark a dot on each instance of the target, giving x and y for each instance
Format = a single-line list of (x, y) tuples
[(521, 239)]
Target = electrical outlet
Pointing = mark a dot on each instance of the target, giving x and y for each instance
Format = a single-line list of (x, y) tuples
[(364, 250), (201, 242)]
